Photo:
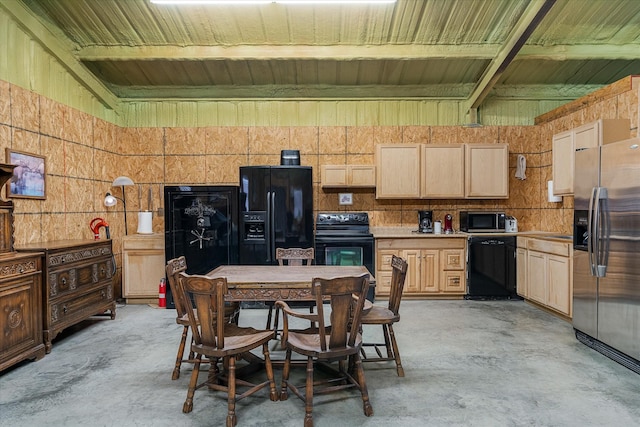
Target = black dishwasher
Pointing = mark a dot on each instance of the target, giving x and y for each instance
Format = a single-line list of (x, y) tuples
[(491, 268)]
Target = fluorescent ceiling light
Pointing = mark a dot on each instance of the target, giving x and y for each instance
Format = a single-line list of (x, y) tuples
[(245, 2)]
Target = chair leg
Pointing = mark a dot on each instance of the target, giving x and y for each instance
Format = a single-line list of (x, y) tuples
[(183, 340), (269, 317), (396, 353), (362, 384), (231, 388), (284, 391), (273, 395), (188, 404), (308, 400), (387, 343)]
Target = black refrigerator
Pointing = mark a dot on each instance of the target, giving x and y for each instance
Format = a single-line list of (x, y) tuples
[(201, 223), (276, 211)]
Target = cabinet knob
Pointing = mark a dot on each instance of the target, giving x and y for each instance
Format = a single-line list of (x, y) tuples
[(21, 269), (103, 293), (64, 309), (64, 280)]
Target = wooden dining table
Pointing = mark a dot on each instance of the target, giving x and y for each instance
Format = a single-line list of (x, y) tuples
[(275, 282)]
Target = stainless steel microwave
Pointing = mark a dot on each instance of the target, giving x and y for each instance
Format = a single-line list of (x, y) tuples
[(482, 222)]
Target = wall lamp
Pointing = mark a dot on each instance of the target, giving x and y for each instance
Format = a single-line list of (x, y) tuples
[(111, 200)]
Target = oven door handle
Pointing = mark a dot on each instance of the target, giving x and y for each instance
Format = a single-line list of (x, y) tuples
[(354, 240)]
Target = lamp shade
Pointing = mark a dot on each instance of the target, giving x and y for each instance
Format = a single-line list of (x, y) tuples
[(122, 180), (110, 200)]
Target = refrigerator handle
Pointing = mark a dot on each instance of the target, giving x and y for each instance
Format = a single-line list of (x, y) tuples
[(267, 228), (591, 233), (602, 239), (273, 225)]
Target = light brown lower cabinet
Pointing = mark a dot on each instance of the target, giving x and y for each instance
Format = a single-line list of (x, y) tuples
[(142, 267), (436, 266), (545, 273)]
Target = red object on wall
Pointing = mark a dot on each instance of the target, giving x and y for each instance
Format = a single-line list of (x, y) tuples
[(162, 293)]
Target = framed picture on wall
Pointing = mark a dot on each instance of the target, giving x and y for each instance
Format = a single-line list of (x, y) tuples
[(28, 180)]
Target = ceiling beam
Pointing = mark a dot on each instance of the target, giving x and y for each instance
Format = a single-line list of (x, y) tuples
[(51, 43), (532, 16), (275, 52), (370, 92), (580, 52)]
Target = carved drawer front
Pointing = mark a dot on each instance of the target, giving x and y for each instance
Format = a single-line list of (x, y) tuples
[(62, 282), (385, 259), (81, 306), (454, 281), (453, 259)]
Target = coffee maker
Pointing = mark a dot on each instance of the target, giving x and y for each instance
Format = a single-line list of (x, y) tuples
[(425, 221)]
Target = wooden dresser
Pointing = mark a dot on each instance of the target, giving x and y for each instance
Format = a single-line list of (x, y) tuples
[(78, 277)]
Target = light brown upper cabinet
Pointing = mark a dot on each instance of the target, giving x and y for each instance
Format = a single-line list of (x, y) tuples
[(343, 176), (398, 171), (486, 171), (600, 132), (454, 171), (442, 171)]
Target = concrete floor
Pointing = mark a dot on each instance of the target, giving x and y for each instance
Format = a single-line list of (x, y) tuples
[(467, 363)]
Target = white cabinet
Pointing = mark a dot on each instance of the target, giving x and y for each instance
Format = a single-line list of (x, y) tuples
[(345, 176), (600, 132), (143, 265)]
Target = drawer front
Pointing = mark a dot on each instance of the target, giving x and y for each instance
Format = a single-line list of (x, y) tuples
[(80, 307), (385, 257), (454, 281), (58, 259), (547, 246), (383, 283), (17, 268), (64, 281), (453, 259)]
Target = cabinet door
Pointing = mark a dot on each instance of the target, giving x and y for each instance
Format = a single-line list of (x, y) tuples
[(563, 163), (521, 268), (559, 279), (442, 171), (587, 136), (413, 278), (429, 277), (334, 175), (361, 175), (486, 171), (537, 276), (398, 171)]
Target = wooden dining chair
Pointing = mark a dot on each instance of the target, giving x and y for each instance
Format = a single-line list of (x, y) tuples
[(387, 316), (221, 341), (290, 256), (338, 342), (174, 267)]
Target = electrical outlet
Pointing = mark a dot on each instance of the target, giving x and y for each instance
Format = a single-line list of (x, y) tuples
[(345, 198)]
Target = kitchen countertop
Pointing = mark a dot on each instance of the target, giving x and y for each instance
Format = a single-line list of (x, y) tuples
[(409, 232)]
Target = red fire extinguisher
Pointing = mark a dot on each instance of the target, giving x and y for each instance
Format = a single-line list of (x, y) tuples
[(162, 293)]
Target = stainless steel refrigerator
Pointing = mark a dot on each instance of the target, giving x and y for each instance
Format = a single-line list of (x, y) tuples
[(276, 211), (606, 263)]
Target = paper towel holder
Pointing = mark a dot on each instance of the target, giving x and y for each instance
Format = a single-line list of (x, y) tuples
[(551, 198)]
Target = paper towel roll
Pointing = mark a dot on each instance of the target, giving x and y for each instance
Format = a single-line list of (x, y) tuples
[(550, 197), (145, 222)]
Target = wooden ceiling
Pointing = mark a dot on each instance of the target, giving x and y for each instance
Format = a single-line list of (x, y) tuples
[(435, 49)]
